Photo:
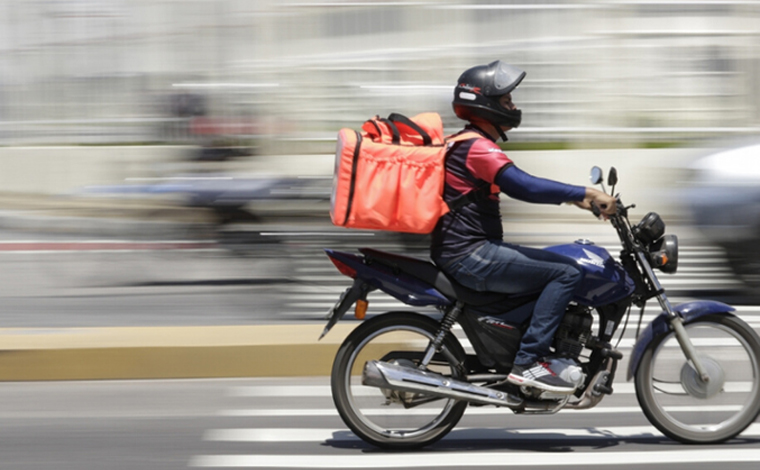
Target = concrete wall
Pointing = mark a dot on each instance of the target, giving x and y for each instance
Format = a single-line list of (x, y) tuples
[(63, 170), (651, 178)]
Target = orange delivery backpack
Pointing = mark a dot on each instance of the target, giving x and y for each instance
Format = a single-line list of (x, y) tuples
[(390, 176)]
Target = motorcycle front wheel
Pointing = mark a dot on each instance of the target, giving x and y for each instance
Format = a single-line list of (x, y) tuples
[(683, 406), (392, 419)]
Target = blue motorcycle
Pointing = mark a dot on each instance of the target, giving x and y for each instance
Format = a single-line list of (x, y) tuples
[(403, 380)]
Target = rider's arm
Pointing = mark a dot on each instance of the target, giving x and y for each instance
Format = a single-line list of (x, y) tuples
[(485, 160), (518, 184)]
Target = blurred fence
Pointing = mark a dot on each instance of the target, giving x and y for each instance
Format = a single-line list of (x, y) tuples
[(288, 74)]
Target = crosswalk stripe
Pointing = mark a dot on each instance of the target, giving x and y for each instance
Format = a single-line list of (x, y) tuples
[(503, 459), (628, 343), (311, 412), (323, 391), (532, 434)]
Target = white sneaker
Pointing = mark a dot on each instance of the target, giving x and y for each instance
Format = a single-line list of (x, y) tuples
[(540, 375), (568, 370)]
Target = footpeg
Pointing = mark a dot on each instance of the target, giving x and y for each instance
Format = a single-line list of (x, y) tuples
[(612, 353), (600, 388)]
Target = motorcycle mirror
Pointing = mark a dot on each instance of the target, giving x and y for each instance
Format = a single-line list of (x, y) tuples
[(596, 175), (612, 178)]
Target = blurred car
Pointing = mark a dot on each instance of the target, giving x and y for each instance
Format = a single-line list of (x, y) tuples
[(725, 204)]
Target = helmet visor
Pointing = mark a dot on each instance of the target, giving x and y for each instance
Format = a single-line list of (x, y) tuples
[(506, 77)]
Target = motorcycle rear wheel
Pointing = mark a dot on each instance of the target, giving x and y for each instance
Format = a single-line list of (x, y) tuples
[(683, 407), (377, 416)]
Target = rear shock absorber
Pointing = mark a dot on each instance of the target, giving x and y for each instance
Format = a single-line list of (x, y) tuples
[(449, 318)]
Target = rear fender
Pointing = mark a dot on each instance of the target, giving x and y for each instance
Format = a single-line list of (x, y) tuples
[(689, 311)]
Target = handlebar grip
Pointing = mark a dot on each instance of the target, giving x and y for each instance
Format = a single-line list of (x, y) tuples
[(595, 210)]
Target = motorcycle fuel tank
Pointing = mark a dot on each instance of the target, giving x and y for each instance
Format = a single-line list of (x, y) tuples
[(605, 281)]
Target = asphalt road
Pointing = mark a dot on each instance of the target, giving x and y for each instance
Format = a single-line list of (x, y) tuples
[(277, 423)]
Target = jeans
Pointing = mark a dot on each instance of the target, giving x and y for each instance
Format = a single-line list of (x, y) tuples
[(511, 269)]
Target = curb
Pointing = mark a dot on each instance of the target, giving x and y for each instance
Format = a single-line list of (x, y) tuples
[(168, 352)]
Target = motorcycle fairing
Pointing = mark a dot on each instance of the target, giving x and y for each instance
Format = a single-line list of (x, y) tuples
[(690, 311), (604, 280)]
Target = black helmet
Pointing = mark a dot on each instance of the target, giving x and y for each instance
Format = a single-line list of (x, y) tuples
[(478, 91)]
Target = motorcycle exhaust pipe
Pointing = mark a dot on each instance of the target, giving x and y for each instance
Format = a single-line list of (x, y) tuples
[(405, 379)]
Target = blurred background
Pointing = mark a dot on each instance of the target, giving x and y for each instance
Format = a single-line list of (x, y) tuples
[(135, 72), (165, 176), (233, 106)]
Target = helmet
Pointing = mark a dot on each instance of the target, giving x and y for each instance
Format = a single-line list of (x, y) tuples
[(478, 91)]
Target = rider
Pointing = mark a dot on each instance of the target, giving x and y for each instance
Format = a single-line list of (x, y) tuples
[(467, 243)]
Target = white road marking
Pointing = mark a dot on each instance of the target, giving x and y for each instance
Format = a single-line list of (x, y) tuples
[(250, 413), (480, 459), (533, 434), (323, 391), (319, 391)]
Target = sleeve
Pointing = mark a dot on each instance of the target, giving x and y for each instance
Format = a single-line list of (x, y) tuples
[(485, 159), (517, 184)]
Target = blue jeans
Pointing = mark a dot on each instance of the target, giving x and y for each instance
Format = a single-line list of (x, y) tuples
[(512, 269)]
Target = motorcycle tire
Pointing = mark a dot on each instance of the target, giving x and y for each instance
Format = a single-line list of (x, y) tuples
[(679, 404), (370, 341)]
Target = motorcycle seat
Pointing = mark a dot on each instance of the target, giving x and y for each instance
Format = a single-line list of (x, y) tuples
[(429, 273)]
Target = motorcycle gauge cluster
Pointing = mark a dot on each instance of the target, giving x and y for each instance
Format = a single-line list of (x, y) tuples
[(650, 229)]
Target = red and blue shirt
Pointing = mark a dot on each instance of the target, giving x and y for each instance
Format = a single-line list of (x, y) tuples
[(478, 164)]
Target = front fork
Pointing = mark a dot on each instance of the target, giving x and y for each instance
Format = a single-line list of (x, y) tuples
[(675, 321)]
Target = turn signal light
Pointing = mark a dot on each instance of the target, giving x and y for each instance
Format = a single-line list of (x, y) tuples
[(661, 259), (664, 254), (361, 309)]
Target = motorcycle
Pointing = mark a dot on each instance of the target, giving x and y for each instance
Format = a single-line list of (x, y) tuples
[(403, 380)]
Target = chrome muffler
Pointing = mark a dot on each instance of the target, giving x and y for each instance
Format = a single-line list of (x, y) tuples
[(406, 379)]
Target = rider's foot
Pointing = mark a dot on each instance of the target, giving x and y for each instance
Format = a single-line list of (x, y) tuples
[(539, 375)]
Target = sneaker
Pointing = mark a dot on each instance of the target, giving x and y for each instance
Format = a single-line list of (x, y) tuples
[(568, 370), (541, 376)]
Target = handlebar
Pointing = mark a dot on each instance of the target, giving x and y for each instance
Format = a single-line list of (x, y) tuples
[(595, 210)]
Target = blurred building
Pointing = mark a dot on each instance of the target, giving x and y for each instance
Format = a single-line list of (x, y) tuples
[(292, 72)]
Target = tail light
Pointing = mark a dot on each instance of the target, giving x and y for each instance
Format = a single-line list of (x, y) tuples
[(344, 269)]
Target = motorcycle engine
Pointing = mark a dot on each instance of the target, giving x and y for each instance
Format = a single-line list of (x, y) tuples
[(574, 331)]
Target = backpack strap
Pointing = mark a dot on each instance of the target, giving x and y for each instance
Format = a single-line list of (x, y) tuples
[(403, 120), (481, 192), (478, 194), (396, 139)]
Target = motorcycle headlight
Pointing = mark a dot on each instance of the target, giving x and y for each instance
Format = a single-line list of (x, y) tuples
[(664, 254), (650, 229)]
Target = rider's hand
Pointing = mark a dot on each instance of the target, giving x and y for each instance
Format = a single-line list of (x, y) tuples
[(607, 204)]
